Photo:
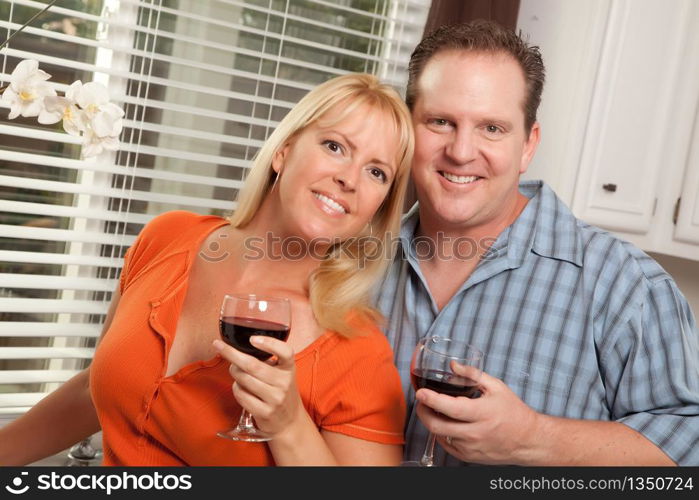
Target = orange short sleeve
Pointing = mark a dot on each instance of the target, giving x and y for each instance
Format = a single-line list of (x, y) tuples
[(359, 393), (154, 238)]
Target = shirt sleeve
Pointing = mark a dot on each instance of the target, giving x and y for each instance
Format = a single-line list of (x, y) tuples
[(155, 236), (652, 373), (359, 393)]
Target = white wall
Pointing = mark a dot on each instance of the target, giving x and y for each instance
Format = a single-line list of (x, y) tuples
[(570, 35)]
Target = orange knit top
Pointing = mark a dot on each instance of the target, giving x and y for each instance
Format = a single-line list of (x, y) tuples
[(349, 386)]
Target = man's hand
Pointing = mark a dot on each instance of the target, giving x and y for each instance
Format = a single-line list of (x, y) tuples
[(496, 428)]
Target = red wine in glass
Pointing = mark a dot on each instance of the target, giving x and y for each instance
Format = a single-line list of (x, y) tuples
[(444, 383), (434, 366), (236, 332), (241, 317)]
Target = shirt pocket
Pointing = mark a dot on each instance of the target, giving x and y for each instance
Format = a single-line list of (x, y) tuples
[(532, 381)]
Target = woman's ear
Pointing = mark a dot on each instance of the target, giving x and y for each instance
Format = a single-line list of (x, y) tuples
[(279, 158)]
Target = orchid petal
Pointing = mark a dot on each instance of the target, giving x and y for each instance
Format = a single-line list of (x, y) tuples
[(47, 117), (73, 127), (25, 69), (33, 108), (103, 124), (93, 93), (15, 110), (74, 90)]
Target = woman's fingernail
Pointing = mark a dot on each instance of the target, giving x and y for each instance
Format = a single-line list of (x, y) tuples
[(257, 339), (218, 345)]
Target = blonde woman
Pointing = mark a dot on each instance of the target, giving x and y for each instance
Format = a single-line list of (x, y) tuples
[(330, 179)]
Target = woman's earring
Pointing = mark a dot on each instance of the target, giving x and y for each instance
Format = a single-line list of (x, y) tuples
[(276, 178), (371, 229)]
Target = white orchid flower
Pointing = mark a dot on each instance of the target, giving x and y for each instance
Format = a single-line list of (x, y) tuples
[(66, 109), (27, 90), (103, 119), (85, 108), (92, 97), (94, 145)]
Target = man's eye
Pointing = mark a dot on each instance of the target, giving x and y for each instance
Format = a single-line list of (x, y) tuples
[(493, 129), (440, 122)]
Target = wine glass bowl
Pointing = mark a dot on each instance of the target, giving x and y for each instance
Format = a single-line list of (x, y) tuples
[(447, 366), (241, 317)]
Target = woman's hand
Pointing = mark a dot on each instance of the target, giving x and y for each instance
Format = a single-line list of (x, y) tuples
[(267, 391)]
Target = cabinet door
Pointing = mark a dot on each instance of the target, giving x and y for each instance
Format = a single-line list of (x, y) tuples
[(687, 228), (632, 114)]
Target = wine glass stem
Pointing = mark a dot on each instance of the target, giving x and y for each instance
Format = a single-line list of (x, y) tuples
[(427, 459), (245, 421)]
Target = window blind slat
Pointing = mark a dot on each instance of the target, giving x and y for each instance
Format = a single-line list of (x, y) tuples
[(45, 329), (65, 187), (46, 352), (58, 259), (35, 376), (38, 133), (51, 306), (47, 234), (41, 282), (21, 207)]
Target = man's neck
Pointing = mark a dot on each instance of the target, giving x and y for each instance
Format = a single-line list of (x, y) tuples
[(456, 251), (454, 240)]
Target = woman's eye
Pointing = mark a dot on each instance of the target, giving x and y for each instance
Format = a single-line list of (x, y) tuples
[(378, 173), (333, 146)]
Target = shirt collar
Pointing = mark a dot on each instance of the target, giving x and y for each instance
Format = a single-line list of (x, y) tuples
[(546, 227)]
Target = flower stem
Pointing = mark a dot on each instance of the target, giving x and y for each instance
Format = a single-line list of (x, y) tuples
[(25, 25)]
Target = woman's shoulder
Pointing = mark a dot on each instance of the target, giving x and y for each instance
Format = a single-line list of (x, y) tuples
[(368, 345), (171, 230), (176, 221), (163, 237)]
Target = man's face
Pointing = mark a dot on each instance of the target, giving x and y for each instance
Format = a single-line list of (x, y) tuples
[(471, 144)]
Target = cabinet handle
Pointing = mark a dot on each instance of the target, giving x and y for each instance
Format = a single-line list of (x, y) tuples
[(609, 187)]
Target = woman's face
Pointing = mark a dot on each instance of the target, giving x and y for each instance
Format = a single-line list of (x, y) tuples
[(334, 175)]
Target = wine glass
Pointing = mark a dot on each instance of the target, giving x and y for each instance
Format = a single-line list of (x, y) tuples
[(243, 316), (433, 367)]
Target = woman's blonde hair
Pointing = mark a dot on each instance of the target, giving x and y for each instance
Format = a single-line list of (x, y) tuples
[(339, 289)]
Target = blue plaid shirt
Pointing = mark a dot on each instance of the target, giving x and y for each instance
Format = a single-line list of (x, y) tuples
[(576, 322)]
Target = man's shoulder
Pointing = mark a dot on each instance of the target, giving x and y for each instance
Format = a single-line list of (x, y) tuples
[(606, 250), (601, 251)]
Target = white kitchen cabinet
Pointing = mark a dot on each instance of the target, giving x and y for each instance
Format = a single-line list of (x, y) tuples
[(641, 147), (687, 218)]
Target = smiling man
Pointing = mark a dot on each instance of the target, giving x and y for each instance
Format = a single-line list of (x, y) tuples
[(591, 351)]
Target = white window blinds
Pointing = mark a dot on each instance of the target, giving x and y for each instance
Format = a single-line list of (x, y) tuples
[(202, 82)]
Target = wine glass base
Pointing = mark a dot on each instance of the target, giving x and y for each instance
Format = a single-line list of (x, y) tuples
[(250, 435)]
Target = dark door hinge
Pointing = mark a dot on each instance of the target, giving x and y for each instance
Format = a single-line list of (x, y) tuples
[(677, 211)]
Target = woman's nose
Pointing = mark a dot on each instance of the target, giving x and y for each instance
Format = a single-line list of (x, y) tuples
[(346, 180)]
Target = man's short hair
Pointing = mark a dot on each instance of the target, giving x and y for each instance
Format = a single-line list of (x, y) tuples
[(485, 37)]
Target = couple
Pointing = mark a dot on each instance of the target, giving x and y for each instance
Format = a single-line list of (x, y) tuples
[(592, 353)]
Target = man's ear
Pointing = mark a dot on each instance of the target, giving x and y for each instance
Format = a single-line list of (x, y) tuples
[(530, 147), (279, 158)]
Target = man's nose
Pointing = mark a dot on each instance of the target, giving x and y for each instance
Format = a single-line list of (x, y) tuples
[(462, 148)]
